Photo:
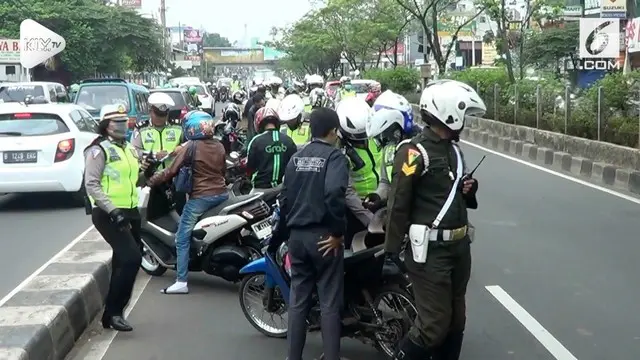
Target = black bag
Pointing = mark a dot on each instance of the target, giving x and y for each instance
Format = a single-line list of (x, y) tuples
[(183, 182)]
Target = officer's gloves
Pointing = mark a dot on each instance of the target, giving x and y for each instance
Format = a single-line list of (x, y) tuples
[(118, 219), (373, 202)]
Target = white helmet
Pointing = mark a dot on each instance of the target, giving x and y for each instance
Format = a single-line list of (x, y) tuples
[(315, 80), (316, 97), (290, 107), (273, 103), (274, 80), (449, 101), (161, 101), (390, 108), (354, 114), (344, 79), (113, 111)]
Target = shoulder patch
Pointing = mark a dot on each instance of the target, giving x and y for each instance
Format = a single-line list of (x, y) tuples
[(95, 152), (412, 155), (408, 170)]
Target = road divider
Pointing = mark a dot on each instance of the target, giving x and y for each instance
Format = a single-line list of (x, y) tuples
[(47, 315)]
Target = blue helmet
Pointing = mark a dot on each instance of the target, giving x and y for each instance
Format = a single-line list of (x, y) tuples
[(393, 101), (197, 125)]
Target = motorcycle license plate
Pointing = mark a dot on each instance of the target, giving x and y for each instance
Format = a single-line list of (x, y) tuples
[(262, 229)]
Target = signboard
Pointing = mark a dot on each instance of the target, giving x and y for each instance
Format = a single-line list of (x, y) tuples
[(632, 35), (9, 51), (248, 56), (449, 23), (192, 36), (196, 60), (613, 9), (489, 54), (131, 4), (572, 10)]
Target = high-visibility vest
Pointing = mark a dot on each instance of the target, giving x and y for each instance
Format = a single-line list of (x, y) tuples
[(120, 175)]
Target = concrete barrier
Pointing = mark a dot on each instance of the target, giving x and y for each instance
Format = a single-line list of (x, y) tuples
[(46, 317), (597, 161)]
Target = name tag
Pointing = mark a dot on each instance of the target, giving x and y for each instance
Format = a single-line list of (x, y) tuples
[(148, 138), (171, 135), (113, 154)]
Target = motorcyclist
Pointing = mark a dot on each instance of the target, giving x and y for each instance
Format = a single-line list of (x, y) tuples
[(159, 136), (298, 86), (374, 91), (313, 82), (391, 123), (238, 97), (194, 95), (345, 91), (364, 157), (208, 165), (73, 90), (274, 86), (268, 152), (317, 98), (290, 112), (235, 83)]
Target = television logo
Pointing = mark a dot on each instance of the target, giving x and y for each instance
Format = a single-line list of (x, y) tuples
[(599, 44), (38, 44)]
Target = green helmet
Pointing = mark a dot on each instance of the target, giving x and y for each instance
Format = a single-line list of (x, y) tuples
[(74, 87), (193, 90)]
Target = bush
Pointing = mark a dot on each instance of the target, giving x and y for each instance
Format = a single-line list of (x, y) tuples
[(401, 79), (541, 103)]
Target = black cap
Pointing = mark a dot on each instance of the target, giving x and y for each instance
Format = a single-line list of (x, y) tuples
[(322, 121)]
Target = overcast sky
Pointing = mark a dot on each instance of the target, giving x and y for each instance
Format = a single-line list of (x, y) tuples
[(227, 17)]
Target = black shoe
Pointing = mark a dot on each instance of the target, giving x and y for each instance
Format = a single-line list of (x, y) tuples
[(408, 350), (450, 348), (117, 323)]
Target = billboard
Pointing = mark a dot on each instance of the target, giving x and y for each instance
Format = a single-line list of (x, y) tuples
[(9, 51), (192, 36), (230, 56), (131, 4)]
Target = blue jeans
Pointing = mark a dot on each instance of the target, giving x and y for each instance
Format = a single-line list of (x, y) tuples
[(193, 209)]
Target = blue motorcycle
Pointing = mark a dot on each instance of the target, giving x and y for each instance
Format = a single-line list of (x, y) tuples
[(379, 306)]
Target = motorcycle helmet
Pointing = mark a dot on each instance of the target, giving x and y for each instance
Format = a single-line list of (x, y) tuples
[(265, 116), (197, 125), (193, 91), (74, 88), (393, 101), (316, 97), (231, 113), (449, 102), (261, 89), (315, 80), (273, 104), (161, 103), (238, 96), (354, 113), (291, 108)]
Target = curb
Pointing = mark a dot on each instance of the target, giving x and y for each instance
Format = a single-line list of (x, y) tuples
[(46, 317), (599, 172), (625, 179)]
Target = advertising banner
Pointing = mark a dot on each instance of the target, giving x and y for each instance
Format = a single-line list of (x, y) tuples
[(131, 4), (613, 9), (196, 60), (249, 56), (192, 36), (10, 51)]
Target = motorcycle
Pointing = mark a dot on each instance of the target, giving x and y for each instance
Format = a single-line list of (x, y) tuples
[(223, 94), (379, 306), (225, 238)]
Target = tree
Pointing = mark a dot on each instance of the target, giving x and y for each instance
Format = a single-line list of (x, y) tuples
[(97, 41), (513, 28), (215, 40), (430, 16), (547, 49)]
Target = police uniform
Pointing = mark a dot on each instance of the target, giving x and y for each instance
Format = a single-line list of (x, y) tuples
[(152, 138), (300, 136), (312, 216), (366, 178), (427, 171), (111, 175)]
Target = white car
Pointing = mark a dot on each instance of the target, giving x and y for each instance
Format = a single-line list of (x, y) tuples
[(42, 148), (205, 97), (361, 87), (50, 91)]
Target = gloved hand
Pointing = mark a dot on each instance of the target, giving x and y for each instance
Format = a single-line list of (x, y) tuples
[(118, 219), (373, 202)]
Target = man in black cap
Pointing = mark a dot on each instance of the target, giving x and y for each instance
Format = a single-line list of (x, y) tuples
[(315, 184)]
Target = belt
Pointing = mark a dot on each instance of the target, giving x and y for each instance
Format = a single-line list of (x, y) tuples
[(449, 234)]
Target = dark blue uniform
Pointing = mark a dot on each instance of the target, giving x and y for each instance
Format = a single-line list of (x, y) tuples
[(315, 185)]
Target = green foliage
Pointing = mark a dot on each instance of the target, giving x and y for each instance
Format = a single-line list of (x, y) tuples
[(400, 79), (215, 40), (542, 102), (545, 49), (100, 38)]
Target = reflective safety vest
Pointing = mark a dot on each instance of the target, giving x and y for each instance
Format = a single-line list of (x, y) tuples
[(300, 136), (156, 140), (120, 175), (235, 86), (346, 94), (366, 179), (388, 153)]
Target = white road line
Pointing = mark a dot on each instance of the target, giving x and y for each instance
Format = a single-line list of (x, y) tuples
[(101, 343), (558, 174), (44, 266), (531, 324)]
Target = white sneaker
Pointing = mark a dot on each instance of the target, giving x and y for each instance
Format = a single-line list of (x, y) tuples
[(179, 287)]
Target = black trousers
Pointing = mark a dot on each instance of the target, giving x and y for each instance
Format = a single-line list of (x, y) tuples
[(127, 255), (309, 270)]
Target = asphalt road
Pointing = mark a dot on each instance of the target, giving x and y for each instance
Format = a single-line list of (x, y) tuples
[(33, 228), (566, 253)]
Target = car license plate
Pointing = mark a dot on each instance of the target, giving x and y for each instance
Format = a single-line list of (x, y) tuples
[(262, 229), (19, 157)]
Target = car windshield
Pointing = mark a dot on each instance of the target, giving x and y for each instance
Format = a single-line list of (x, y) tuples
[(200, 90), (177, 98), (26, 124), (17, 93), (360, 88), (93, 98)]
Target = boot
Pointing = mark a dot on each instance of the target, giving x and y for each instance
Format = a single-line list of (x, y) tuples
[(450, 349), (408, 350)]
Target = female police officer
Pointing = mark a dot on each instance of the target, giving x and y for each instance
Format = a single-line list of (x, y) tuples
[(111, 175)]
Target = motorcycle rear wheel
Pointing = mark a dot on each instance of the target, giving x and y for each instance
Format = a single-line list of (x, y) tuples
[(395, 297), (150, 264), (257, 323)]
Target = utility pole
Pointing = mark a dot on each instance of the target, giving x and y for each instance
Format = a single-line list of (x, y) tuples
[(166, 38)]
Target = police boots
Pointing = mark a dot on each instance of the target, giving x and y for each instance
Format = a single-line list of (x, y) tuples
[(450, 348), (408, 350)]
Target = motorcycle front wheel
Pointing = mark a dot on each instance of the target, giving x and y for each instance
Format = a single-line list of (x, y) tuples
[(398, 310), (252, 302)]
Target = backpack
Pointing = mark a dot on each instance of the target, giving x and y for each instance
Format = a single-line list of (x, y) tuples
[(184, 180)]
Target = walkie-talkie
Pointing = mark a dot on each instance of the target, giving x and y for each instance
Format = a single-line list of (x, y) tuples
[(470, 175)]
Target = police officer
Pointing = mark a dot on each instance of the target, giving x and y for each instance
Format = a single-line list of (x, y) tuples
[(429, 196), (291, 114), (235, 83), (159, 137), (316, 220), (111, 176)]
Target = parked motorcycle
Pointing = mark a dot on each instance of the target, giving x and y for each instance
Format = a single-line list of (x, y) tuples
[(379, 305), (225, 238)]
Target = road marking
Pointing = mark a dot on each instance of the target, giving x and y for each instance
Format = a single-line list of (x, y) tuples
[(532, 325), (558, 174), (101, 343), (44, 266)]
